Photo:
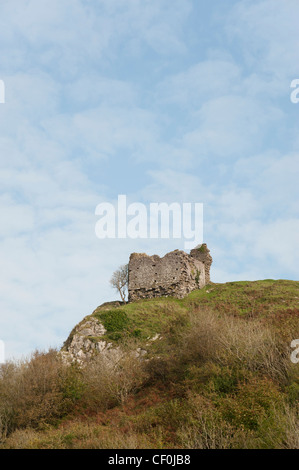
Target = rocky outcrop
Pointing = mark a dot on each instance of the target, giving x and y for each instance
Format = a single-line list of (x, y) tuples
[(86, 341), (176, 274)]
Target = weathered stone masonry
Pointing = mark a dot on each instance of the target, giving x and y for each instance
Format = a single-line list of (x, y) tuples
[(176, 274)]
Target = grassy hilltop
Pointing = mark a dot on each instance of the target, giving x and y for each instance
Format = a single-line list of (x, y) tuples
[(215, 373)]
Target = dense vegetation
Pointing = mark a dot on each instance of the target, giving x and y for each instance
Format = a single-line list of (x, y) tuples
[(217, 374)]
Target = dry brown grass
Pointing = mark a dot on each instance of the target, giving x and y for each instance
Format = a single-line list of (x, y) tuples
[(235, 341), (109, 382), (77, 435), (206, 430), (35, 391), (292, 428)]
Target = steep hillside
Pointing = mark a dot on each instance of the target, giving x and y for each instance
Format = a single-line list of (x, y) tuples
[(275, 303), (212, 370)]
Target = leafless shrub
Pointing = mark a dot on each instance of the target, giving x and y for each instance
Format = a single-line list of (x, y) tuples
[(206, 430), (120, 280), (292, 428), (109, 381), (34, 391), (235, 341)]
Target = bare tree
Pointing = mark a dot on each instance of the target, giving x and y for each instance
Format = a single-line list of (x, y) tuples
[(120, 280)]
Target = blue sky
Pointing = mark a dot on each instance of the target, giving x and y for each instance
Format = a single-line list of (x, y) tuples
[(161, 100)]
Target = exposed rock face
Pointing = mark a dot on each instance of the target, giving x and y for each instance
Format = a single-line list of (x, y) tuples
[(85, 341), (176, 274)]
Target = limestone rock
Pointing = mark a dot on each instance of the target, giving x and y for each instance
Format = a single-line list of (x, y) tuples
[(85, 341)]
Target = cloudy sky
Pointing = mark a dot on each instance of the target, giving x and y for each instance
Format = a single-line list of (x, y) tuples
[(160, 100)]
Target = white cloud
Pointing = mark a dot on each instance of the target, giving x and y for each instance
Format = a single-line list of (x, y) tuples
[(203, 81), (15, 218), (71, 36), (274, 180), (268, 31), (231, 126)]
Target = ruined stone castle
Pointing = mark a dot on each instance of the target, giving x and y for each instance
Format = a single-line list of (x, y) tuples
[(176, 274)]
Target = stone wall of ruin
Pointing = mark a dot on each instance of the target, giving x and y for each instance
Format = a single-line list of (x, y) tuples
[(176, 274)]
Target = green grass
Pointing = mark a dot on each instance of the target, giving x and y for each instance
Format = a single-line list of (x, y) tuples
[(275, 300), (244, 297), (142, 319)]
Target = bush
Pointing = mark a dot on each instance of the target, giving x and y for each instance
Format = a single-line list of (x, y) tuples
[(42, 390), (115, 320), (109, 381), (291, 438), (36, 391), (206, 428), (234, 342), (255, 401)]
